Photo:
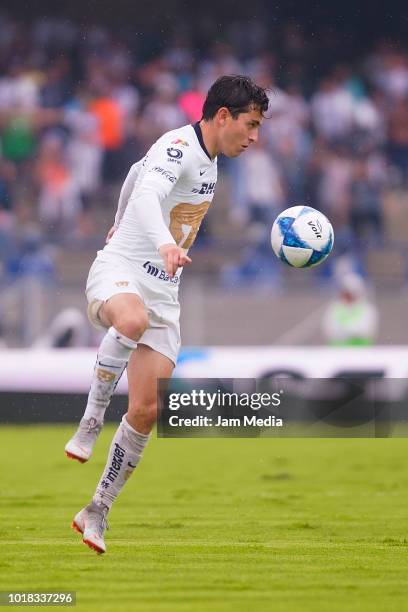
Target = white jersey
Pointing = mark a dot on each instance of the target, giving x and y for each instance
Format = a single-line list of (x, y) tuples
[(164, 198)]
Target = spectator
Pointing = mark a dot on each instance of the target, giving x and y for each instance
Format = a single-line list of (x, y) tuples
[(191, 103), (334, 182), (56, 89), (110, 117), (397, 139), (332, 110), (366, 216), (8, 175), (351, 319), (262, 196), (73, 146), (163, 112), (58, 200)]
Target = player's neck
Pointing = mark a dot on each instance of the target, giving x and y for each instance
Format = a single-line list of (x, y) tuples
[(209, 138)]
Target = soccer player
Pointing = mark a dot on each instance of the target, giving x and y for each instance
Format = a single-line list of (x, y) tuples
[(132, 287)]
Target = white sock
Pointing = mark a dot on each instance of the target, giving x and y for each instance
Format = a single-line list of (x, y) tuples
[(124, 454), (113, 356)]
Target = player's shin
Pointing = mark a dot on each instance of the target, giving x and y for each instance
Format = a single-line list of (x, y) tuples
[(124, 454), (113, 356)]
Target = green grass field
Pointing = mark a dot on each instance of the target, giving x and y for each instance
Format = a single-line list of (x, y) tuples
[(212, 525)]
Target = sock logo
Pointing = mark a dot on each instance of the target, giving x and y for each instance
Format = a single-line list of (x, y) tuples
[(116, 464), (105, 376), (130, 465)]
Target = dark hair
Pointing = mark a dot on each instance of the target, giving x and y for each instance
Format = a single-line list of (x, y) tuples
[(237, 93)]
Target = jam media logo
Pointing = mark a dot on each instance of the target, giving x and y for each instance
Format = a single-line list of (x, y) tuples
[(180, 142), (174, 153)]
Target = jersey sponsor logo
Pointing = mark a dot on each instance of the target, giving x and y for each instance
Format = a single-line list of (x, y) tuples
[(180, 142), (122, 283), (174, 153), (166, 173), (160, 274), (205, 189), (202, 172)]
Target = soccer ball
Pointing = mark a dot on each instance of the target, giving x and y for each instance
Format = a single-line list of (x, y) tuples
[(302, 237)]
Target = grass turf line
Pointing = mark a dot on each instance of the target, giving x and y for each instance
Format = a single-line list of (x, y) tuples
[(221, 525)]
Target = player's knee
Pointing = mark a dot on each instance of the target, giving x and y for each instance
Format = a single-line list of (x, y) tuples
[(132, 325), (143, 414)]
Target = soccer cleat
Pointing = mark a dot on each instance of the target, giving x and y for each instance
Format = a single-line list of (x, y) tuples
[(91, 523), (81, 444)]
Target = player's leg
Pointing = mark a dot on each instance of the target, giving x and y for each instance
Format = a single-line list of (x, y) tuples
[(145, 368), (129, 441), (126, 319)]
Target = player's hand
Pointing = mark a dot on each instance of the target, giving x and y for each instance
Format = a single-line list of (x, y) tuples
[(110, 233), (173, 257)]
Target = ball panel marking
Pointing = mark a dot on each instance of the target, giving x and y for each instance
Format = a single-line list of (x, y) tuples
[(297, 258), (292, 238)]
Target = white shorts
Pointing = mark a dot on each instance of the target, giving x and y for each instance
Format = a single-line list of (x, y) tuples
[(111, 276)]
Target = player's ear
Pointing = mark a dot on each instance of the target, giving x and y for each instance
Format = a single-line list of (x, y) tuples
[(223, 114)]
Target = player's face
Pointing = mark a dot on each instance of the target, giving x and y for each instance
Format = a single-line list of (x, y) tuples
[(237, 134)]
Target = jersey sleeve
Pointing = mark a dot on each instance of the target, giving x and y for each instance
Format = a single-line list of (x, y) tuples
[(164, 166), (126, 191)]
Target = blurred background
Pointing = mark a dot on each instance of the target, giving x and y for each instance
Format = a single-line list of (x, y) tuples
[(86, 88)]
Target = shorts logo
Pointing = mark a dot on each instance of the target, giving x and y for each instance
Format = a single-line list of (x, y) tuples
[(150, 269), (122, 283), (180, 142), (174, 153), (105, 376), (160, 274)]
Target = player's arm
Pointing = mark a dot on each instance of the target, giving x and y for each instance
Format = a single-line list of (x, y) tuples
[(159, 179), (150, 218), (124, 196), (174, 257)]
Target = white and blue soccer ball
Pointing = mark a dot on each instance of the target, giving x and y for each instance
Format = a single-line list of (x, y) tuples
[(302, 237)]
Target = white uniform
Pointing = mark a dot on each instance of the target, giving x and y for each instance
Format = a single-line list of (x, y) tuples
[(163, 200)]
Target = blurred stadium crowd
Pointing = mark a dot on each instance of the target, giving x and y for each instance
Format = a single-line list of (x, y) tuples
[(78, 106)]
